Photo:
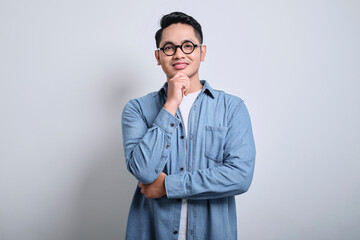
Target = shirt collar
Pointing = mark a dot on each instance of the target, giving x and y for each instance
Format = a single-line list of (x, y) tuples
[(206, 88)]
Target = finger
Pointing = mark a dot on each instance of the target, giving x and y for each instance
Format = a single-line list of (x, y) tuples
[(177, 75), (182, 84), (187, 88), (180, 78), (182, 74), (184, 89), (185, 81), (140, 185), (142, 191)]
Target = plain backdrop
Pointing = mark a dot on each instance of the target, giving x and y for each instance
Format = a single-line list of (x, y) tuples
[(67, 68)]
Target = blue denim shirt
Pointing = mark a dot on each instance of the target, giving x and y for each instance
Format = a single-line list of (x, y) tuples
[(217, 164)]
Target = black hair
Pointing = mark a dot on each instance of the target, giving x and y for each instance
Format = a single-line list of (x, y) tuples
[(178, 17)]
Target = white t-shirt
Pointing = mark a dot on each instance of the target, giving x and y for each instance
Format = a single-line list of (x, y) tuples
[(184, 108)]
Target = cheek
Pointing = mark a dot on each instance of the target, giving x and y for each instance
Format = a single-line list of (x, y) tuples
[(196, 59), (167, 70), (164, 68), (196, 63), (165, 63)]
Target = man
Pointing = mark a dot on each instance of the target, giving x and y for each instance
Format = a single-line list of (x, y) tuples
[(191, 147)]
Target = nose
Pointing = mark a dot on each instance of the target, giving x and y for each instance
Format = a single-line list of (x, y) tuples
[(178, 53)]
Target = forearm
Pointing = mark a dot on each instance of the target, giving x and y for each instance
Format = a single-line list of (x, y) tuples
[(146, 149), (147, 159), (225, 180)]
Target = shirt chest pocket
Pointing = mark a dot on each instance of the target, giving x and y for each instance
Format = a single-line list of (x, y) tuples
[(214, 142)]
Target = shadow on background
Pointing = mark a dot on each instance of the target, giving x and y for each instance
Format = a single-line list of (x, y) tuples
[(105, 192)]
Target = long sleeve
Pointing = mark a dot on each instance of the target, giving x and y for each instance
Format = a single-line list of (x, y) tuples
[(146, 149), (233, 176)]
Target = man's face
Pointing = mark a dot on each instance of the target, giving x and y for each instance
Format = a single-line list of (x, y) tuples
[(187, 63)]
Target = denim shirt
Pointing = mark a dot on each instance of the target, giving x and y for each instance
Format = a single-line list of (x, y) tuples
[(216, 165)]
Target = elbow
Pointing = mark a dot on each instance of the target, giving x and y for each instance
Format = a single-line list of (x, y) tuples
[(243, 187), (244, 181), (144, 175)]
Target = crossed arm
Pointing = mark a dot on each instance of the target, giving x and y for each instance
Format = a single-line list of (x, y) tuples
[(146, 156)]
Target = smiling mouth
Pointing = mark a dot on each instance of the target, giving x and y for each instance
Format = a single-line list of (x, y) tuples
[(180, 65)]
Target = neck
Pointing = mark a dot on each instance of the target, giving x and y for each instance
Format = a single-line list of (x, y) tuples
[(195, 85)]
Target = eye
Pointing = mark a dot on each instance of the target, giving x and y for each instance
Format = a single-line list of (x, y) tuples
[(168, 47), (188, 46)]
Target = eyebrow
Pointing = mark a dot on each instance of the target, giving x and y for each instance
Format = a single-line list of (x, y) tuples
[(185, 40)]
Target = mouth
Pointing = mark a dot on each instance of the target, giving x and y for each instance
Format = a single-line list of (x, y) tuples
[(180, 65)]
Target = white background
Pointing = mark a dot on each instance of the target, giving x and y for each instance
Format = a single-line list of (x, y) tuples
[(68, 67)]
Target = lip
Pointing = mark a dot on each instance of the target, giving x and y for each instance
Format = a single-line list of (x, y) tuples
[(180, 65)]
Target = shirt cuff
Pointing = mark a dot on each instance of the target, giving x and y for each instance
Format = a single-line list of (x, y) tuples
[(174, 185), (166, 121)]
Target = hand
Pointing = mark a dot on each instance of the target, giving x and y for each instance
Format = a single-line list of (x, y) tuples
[(155, 189), (177, 86)]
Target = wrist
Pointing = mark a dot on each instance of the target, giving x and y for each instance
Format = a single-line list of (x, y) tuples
[(171, 107)]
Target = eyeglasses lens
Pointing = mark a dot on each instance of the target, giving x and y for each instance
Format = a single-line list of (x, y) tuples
[(170, 49), (187, 47)]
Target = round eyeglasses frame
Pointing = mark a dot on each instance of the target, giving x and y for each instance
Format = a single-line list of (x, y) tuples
[(179, 46)]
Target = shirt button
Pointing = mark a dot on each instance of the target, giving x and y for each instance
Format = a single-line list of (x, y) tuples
[(182, 137), (175, 232), (157, 171), (181, 169), (171, 124), (167, 145)]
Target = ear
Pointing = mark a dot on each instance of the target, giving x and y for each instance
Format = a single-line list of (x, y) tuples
[(157, 56), (202, 52)]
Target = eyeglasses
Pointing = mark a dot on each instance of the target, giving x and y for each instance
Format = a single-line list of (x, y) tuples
[(186, 47)]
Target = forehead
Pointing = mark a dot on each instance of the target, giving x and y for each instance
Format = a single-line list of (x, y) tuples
[(177, 33)]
